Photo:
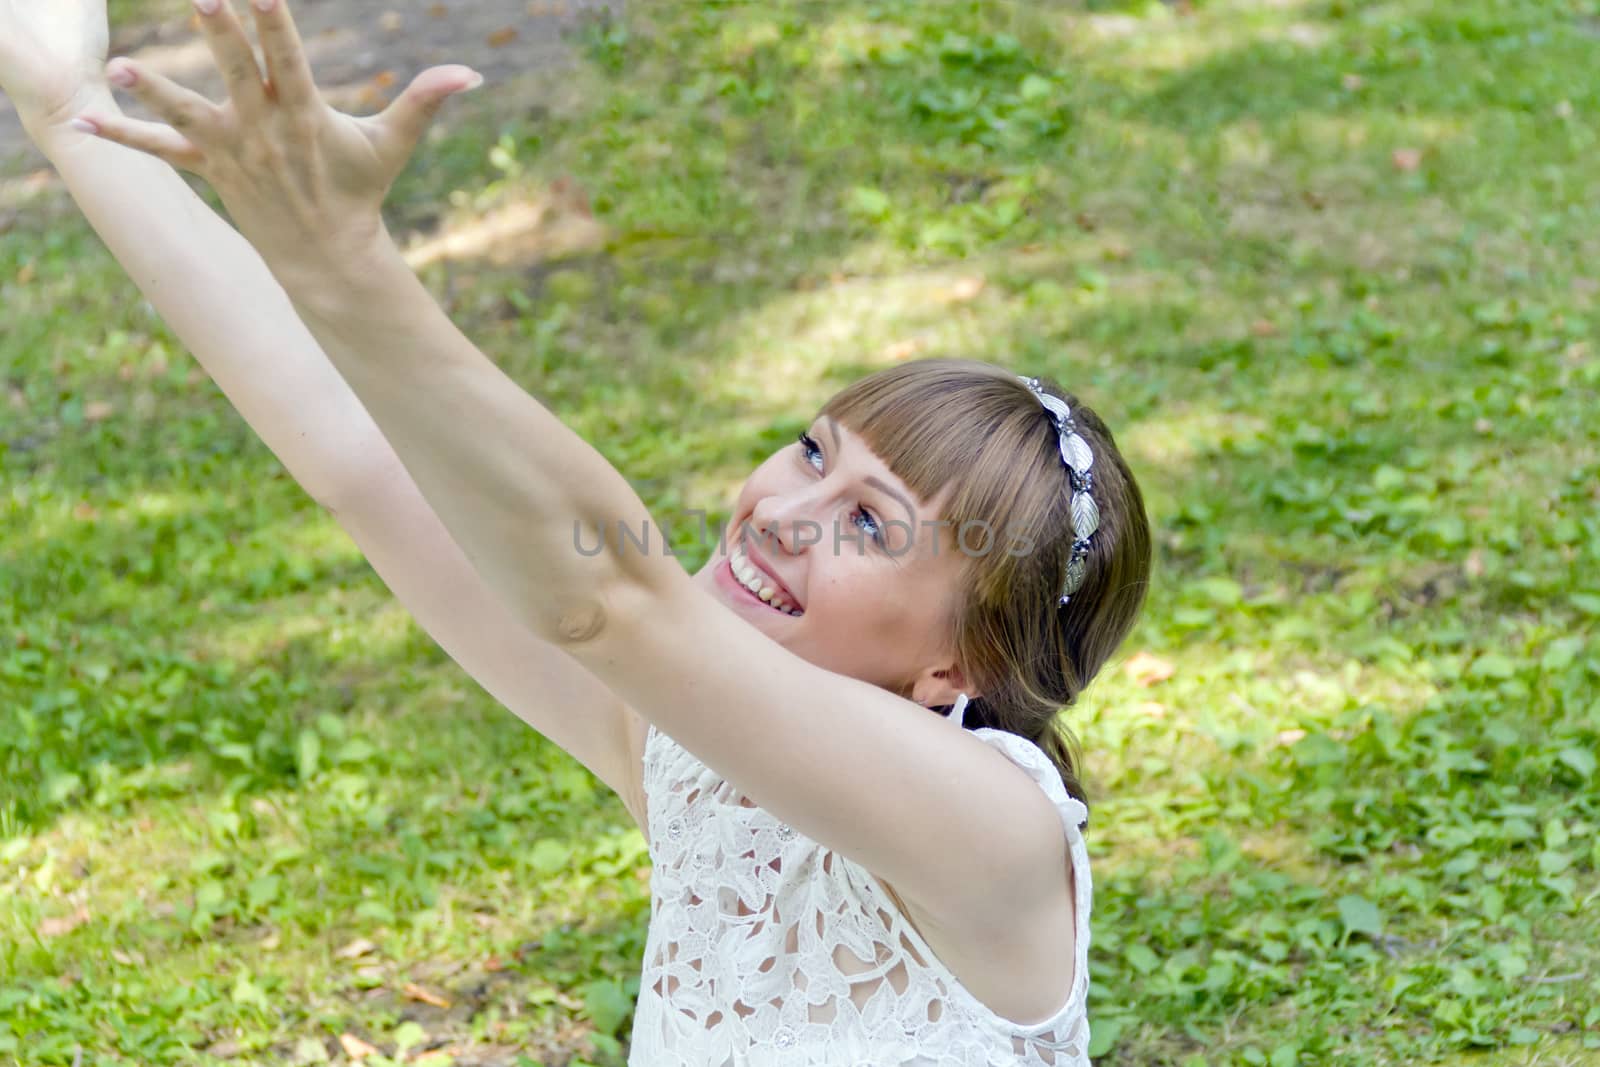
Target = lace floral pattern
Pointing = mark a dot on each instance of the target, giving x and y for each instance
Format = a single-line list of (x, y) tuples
[(766, 948)]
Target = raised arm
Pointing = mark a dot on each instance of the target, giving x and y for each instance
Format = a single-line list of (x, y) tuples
[(218, 296), (845, 762)]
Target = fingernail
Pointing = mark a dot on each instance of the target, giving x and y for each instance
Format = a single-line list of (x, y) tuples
[(207, 7), (122, 76), (477, 80), (265, 5), (84, 125)]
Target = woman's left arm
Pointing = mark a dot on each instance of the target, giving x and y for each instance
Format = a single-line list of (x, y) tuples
[(924, 805)]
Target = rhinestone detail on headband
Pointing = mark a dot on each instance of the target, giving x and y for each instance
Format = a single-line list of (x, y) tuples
[(1076, 455)]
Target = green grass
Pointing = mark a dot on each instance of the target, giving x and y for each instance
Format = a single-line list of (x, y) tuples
[(1358, 822)]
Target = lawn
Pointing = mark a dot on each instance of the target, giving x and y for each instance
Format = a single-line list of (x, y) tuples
[(1328, 268)]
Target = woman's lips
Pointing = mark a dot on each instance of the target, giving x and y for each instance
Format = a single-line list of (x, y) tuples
[(771, 579), (726, 578)]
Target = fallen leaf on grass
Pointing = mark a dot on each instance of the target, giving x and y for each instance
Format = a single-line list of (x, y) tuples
[(502, 37), (416, 992), (356, 1048), (25, 275), (383, 79), (359, 947), (572, 196), (964, 290), (1406, 160), (63, 924), (1146, 670)]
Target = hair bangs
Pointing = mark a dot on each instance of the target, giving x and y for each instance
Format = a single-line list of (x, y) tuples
[(965, 429)]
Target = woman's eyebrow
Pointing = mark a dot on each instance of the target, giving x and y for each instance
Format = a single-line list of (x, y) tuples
[(834, 430), (879, 483), (872, 480)]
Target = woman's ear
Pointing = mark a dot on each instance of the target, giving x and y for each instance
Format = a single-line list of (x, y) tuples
[(939, 687)]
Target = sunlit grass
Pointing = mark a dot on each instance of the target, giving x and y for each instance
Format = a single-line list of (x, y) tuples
[(1356, 385)]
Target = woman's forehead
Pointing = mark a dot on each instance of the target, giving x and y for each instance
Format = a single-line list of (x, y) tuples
[(887, 481)]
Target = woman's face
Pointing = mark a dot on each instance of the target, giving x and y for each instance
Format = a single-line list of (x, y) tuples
[(864, 582)]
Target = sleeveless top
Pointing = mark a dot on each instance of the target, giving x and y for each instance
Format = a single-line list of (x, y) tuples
[(766, 948)]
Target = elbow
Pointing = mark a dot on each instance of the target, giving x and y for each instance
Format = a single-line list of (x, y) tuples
[(579, 622), (586, 622)]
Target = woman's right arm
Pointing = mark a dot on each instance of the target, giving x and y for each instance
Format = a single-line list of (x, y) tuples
[(216, 294)]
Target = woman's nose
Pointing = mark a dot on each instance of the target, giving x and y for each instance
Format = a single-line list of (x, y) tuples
[(787, 522)]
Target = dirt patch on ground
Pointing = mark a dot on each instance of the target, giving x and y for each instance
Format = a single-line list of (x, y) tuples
[(363, 52)]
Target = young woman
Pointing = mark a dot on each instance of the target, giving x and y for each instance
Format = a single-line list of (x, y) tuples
[(840, 877)]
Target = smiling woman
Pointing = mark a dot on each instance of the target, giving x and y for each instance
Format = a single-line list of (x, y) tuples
[(840, 876)]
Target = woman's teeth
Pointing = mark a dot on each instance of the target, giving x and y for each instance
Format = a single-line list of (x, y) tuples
[(756, 582)]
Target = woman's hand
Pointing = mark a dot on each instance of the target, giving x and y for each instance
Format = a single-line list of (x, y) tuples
[(304, 183), (52, 59)]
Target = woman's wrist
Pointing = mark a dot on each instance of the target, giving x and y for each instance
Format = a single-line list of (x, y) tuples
[(356, 269), (54, 132)]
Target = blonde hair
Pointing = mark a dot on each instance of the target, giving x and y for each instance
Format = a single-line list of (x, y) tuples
[(976, 430)]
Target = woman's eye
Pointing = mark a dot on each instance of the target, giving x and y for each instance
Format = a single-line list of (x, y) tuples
[(862, 518), (812, 450), (865, 521)]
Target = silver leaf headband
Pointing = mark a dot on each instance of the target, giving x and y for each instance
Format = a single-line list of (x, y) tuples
[(1085, 513)]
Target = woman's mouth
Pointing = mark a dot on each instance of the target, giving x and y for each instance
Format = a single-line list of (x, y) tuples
[(749, 578)]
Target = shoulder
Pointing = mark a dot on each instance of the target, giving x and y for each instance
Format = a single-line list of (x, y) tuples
[(1022, 954), (1032, 761)]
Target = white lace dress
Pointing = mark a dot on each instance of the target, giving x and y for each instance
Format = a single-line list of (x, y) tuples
[(766, 948)]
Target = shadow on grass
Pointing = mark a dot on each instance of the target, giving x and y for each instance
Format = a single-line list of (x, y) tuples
[(1312, 441), (668, 342), (1331, 59)]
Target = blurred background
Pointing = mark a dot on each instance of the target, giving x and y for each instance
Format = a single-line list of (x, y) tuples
[(1328, 269)]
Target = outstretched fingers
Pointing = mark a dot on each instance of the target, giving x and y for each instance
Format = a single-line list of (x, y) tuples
[(152, 138), (288, 70), (186, 111), (235, 57)]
